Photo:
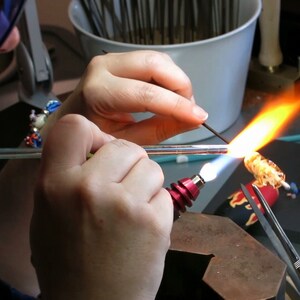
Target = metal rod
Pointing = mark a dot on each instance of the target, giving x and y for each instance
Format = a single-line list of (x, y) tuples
[(186, 149), (13, 153), (23, 153), (215, 133)]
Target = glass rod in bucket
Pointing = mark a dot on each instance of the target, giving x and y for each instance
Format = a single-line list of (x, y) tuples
[(153, 22)]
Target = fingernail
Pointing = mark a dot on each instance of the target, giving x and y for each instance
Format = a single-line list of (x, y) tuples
[(200, 113)]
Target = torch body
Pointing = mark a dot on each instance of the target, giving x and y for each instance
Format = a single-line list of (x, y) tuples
[(184, 192)]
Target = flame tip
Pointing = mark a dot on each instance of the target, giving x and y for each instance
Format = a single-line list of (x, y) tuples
[(266, 126)]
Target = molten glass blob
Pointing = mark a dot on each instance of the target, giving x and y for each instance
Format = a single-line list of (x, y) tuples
[(264, 170)]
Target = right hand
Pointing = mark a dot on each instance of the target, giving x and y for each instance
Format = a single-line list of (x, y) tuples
[(101, 227), (118, 84)]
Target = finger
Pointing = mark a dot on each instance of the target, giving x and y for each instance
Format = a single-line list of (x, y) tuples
[(128, 95), (116, 159), (153, 130), (163, 208), (70, 140), (145, 179), (150, 66)]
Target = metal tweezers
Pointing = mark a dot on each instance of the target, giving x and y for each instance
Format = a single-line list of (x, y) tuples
[(281, 243)]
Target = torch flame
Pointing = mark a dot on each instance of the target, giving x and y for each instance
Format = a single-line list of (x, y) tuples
[(268, 124)]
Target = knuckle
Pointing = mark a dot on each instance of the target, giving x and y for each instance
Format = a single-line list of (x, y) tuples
[(154, 60), (126, 146), (95, 61), (88, 91), (147, 95), (123, 203), (48, 188), (73, 120), (167, 198), (152, 170), (184, 84), (87, 188), (178, 104), (155, 169), (43, 186), (89, 85), (99, 61)]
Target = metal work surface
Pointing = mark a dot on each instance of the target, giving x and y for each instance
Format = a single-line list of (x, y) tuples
[(241, 267)]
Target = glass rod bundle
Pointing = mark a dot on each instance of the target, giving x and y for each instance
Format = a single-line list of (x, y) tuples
[(160, 22)]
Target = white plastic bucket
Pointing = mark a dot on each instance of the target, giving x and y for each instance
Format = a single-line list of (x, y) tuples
[(217, 66)]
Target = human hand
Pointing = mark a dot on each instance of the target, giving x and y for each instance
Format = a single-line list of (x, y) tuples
[(11, 42), (100, 227), (117, 84)]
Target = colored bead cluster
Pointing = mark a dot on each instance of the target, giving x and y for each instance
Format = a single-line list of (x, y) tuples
[(34, 138), (294, 190)]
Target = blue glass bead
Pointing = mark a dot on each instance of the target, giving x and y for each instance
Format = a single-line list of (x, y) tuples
[(52, 106)]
